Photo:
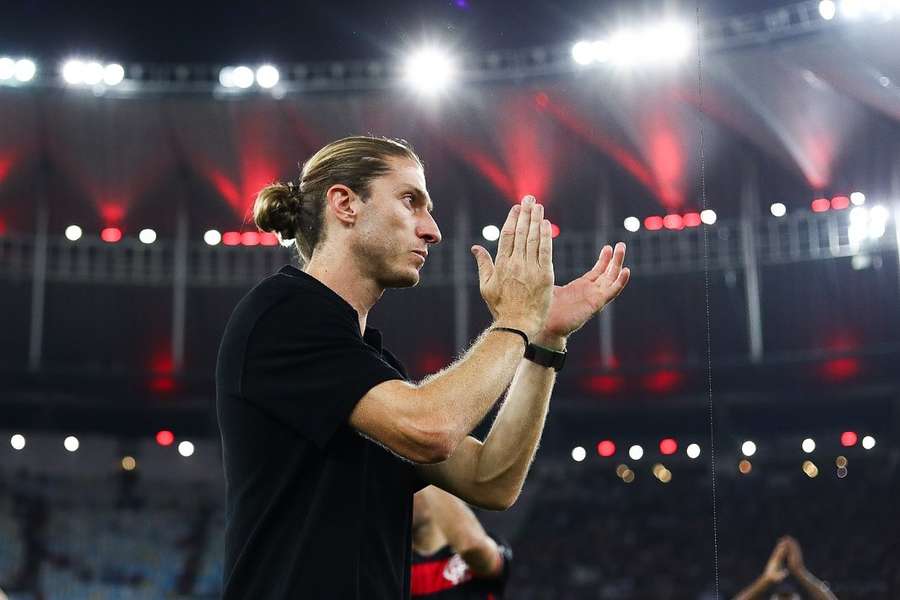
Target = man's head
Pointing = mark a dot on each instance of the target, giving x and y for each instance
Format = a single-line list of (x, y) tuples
[(359, 196)]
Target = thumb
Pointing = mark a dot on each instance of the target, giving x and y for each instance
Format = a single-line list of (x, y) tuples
[(484, 262)]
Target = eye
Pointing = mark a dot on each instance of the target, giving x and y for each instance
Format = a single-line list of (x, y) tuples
[(409, 198)]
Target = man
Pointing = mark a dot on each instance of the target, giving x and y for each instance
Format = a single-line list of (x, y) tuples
[(324, 438), (453, 556), (774, 575)]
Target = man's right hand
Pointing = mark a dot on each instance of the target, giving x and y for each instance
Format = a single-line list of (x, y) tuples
[(775, 571), (518, 285)]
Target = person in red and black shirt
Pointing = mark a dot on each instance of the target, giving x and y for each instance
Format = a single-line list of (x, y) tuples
[(453, 556)]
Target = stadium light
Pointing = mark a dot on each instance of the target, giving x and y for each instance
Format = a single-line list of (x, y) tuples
[(808, 445), (491, 233), (73, 232), (212, 237), (668, 446), (778, 209), (7, 68), (111, 235), (606, 448), (113, 74), (583, 52), (24, 70), (632, 224), (186, 448), (635, 452), (267, 76), (868, 442), (92, 73), (17, 441), (429, 70), (693, 451), (708, 216), (71, 443), (165, 437), (827, 9), (748, 448), (578, 453), (242, 77), (858, 198), (147, 236)]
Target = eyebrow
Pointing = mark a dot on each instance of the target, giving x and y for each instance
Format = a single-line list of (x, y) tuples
[(420, 195)]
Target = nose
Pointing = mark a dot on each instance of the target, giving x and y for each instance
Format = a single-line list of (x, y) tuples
[(428, 230)]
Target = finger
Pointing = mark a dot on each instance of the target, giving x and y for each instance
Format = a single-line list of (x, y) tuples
[(534, 232), (485, 265), (621, 281), (545, 253), (522, 225), (615, 265), (601, 264), (508, 233)]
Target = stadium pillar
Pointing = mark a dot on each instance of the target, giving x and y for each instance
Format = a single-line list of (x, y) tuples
[(38, 281), (749, 208), (603, 229), (462, 258), (179, 287)]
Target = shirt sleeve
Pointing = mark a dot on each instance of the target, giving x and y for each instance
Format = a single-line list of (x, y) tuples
[(307, 367)]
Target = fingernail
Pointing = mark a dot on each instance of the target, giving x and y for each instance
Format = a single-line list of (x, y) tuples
[(527, 200)]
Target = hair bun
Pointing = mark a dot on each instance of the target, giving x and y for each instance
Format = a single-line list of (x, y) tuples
[(277, 209)]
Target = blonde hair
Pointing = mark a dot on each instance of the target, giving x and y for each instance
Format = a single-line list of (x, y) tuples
[(295, 210)]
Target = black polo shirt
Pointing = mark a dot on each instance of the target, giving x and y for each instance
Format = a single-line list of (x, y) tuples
[(314, 509)]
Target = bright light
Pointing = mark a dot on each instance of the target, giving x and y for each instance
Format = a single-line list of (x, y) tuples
[(778, 209), (606, 448), (601, 51), (848, 438), (212, 237), (17, 441), (632, 224), (113, 74), (242, 77), (185, 448), (73, 232), (667, 42), (858, 198), (491, 233), (578, 453), (71, 443), (73, 72), (267, 76), (820, 205), (745, 466), (708, 216), (165, 437), (810, 468), (693, 450), (625, 48), (128, 463), (668, 446), (827, 9), (879, 213), (148, 236), (429, 70), (226, 77), (868, 442), (583, 52), (635, 452), (748, 448), (851, 9), (7, 68), (111, 235), (808, 445), (25, 70), (859, 215), (93, 73)]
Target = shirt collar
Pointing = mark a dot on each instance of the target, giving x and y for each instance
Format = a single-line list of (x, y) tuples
[(371, 336)]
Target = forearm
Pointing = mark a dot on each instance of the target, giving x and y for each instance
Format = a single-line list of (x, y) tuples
[(509, 448), (458, 397), (816, 589), (755, 590), (463, 531)]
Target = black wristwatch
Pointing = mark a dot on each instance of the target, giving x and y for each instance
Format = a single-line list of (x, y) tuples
[(545, 356)]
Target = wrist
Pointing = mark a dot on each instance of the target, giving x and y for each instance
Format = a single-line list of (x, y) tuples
[(551, 342)]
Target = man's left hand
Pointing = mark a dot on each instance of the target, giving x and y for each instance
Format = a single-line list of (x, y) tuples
[(576, 302)]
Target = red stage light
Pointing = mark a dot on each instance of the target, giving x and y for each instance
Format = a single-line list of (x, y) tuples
[(554, 230), (668, 446), (691, 220), (820, 205), (606, 448), (673, 222), (849, 438), (653, 223), (165, 438), (250, 238), (231, 238), (840, 202), (604, 384), (268, 239), (111, 235)]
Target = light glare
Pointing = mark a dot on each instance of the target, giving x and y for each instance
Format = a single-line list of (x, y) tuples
[(17, 441), (267, 76), (185, 448), (748, 448), (693, 450), (632, 224), (212, 237), (578, 453), (148, 236), (429, 70), (71, 443), (491, 233), (635, 452)]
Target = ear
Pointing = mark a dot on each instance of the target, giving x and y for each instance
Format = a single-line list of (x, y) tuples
[(342, 203)]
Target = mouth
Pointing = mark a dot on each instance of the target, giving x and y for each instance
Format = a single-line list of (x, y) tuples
[(421, 253)]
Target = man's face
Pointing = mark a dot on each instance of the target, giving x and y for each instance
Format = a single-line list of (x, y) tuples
[(396, 223)]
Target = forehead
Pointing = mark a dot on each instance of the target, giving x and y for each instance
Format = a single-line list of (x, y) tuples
[(405, 171)]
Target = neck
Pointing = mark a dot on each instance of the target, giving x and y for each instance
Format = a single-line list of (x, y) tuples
[(428, 539), (341, 273)]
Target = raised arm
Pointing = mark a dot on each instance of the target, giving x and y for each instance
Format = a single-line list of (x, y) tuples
[(773, 573), (426, 423), (815, 588)]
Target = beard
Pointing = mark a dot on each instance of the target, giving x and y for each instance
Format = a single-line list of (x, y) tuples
[(381, 262)]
